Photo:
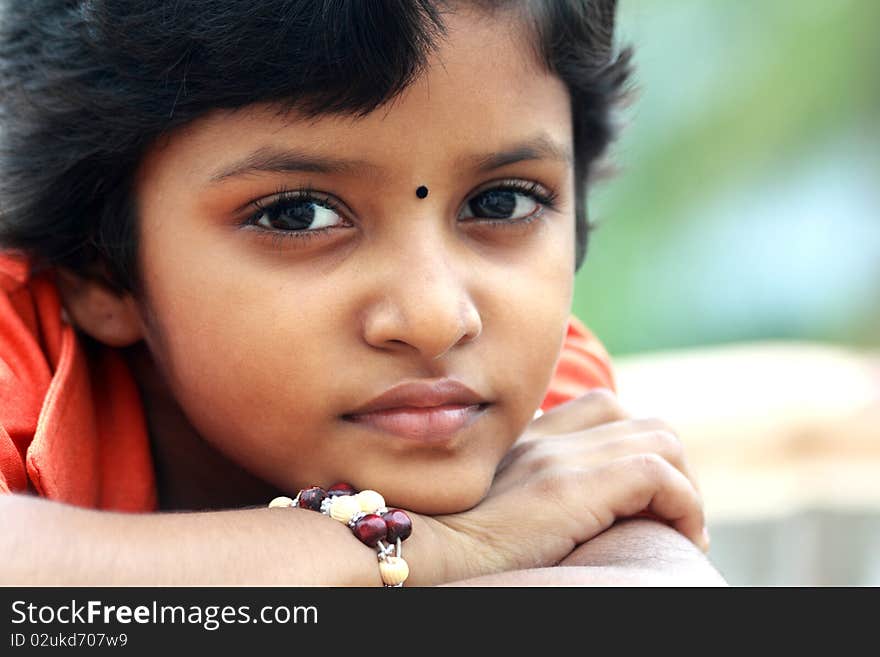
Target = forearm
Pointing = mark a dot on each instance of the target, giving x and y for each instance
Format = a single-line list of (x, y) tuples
[(630, 553), (649, 550), (47, 543), (574, 576)]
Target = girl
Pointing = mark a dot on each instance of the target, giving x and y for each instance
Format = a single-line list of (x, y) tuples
[(304, 243)]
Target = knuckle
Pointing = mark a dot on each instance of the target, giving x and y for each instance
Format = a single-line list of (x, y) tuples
[(651, 464), (667, 442), (601, 397), (600, 405)]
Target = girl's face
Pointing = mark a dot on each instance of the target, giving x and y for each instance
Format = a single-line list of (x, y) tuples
[(273, 316)]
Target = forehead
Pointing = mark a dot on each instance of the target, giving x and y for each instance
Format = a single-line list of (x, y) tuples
[(482, 90)]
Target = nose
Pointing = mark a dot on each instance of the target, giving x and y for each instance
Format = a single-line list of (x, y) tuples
[(424, 305)]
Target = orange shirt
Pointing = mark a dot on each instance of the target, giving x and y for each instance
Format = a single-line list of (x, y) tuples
[(72, 428)]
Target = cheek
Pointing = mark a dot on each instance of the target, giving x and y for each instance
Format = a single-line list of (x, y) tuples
[(529, 302), (245, 356)]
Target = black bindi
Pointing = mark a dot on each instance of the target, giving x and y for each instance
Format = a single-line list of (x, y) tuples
[(422, 192)]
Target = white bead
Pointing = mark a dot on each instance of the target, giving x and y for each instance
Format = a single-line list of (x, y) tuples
[(344, 507), (370, 501), (394, 570), (280, 502)]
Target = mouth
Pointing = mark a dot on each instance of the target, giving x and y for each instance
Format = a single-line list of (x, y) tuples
[(429, 424), (424, 410)]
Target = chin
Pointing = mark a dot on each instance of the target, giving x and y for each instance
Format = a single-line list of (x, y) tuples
[(431, 497)]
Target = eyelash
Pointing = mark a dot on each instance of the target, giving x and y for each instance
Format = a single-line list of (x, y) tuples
[(547, 201), (287, 196)]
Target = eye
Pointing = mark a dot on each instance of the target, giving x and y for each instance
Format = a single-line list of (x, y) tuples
[(300, 211), (510, 202)]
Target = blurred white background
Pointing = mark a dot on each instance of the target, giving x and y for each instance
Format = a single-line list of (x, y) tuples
[(735, 272)]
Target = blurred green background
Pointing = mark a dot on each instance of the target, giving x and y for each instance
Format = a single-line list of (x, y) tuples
[(747, 201)]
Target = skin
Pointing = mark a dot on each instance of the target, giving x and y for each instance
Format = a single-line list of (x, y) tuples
[(249, 349)]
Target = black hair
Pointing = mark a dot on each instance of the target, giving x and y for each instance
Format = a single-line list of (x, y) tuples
[(86, 86)]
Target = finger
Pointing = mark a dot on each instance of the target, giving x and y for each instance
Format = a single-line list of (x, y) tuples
[(598, 406), (665, 441), (658, 441), (605, 442), (631, 484)]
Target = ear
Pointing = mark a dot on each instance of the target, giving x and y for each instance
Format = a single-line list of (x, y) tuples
[(98, 310)]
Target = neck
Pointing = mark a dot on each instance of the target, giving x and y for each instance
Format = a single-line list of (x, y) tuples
[(190, 473)]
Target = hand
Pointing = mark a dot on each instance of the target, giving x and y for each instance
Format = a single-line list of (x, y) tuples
[(576, 470)]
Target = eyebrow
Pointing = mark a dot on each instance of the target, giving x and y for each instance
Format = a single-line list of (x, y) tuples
[(540, 147), (274, 160)]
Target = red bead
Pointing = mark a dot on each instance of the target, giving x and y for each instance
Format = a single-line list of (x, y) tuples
[(340, 489), (370, 529), (398, 524), (311, 498)]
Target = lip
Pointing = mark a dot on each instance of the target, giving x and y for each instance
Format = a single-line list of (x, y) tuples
[(423, 410)]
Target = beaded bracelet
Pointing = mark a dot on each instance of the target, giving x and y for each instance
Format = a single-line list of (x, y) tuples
[(365, 513)]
